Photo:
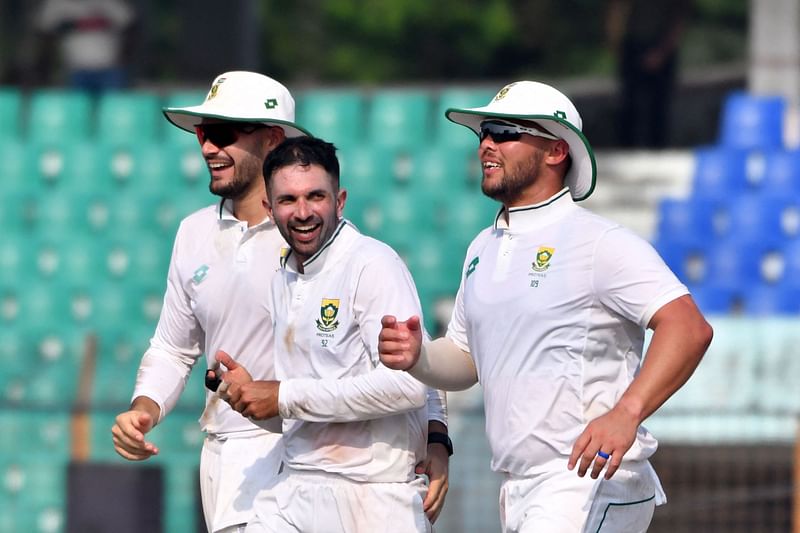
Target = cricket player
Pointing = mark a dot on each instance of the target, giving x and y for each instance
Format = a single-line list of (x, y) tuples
[(349, 461), (223, 260), (550, 318)]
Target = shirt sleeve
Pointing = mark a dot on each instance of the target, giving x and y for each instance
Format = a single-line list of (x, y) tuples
[(630, 278), (174, 349), (384, 286)]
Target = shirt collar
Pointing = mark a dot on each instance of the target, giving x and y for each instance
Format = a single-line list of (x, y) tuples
[(314, 264), (531, 217), (225, 213)]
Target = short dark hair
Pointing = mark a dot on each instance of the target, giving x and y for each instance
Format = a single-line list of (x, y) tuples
[(304, 151)]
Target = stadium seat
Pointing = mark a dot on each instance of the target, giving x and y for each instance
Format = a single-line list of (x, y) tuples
[(69, 258), (466, 214), (128, 117), (719, 172), (10, 114), (752, 121), (449, 134), (335, 115), (39, 434), (142, 257), (70, 166), (439, 171), (399, 118), (715, 300), (690, 220), (758, 217), (781, 172), (367, 169), (735, 263), (58, 114), (789, 267), (771, 300), (403, 215), (18, 175)]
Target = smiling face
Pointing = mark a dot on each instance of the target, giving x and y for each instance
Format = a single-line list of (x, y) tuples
[(306, 206), (524, 171), (235, 159)]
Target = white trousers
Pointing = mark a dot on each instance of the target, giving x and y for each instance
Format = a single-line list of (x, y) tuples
[(318, 502), (563, 502), (232, 472)]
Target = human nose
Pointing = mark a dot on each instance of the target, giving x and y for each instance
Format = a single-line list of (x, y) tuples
[(303, 210)]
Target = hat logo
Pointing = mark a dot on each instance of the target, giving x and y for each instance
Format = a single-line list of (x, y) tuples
[(214, 88), (561, 115), (503, 92), (272, 103)]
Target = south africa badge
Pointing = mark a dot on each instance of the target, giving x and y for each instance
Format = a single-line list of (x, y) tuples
[(543, 256), (328, 312)]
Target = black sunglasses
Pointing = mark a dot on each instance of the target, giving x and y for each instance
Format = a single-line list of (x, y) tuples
[(225, 133), (501, 131)]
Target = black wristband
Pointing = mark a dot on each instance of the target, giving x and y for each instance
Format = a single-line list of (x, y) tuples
[(437, 437)]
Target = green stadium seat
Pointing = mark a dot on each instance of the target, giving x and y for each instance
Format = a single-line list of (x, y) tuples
[(403, 216), (36, 435), (69, 259), (17, 175), (128, 117), (10, 113), (449, 134), (399, 118), (58, 114), (468, 213), (335, 115), (439, 171), (366, 173), (17, 258), (70, 166), (33, 495), (143, 257)]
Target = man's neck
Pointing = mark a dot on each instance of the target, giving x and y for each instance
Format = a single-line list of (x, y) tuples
[(250, 208)]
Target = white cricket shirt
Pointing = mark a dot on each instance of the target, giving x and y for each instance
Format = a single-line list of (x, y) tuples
[(326, 323), (217, 289), (552, 306)]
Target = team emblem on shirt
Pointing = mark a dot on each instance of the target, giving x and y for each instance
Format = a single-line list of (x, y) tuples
[(328, 311), (543, 256)]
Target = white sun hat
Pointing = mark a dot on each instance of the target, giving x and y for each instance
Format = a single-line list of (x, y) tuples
[(545, 105), (241, 96)]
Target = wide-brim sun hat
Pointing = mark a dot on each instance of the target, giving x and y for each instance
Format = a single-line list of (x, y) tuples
[(241, 96), (545, 105)]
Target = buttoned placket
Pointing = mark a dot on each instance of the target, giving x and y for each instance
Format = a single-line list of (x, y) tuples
[(505, 256)]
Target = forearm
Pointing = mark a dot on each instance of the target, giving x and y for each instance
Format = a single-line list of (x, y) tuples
[(437, 406), (445, 366), (381, 392), (162, 378)]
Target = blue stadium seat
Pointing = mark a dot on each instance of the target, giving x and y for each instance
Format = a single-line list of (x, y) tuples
[(781, 172), (752, 121), (58, 114), (685, 256), (755, 216), (719, 172), (769, 300), (790, 264), (735, 263), (399, 118), (335, 115), (714, 300), (690, 220)]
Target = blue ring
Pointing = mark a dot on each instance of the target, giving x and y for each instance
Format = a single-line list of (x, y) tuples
[(604, 455)]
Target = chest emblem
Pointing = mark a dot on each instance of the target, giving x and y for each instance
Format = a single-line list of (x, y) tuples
[(543, 256), (328, 312)]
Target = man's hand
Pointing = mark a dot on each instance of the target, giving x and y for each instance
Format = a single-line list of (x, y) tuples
[(253, 399), (130, 428), (436, 466), (611, 434), (399, 343)]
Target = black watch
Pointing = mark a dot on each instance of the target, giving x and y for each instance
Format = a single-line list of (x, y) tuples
[(437, 437)]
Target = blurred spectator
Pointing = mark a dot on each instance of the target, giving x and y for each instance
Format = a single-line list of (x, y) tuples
[(646, 34), (92, 39)]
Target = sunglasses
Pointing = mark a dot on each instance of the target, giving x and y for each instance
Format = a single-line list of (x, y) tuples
[(501, 132), (224, 134)]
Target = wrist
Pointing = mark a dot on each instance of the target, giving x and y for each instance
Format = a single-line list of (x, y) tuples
[(437, 437)]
